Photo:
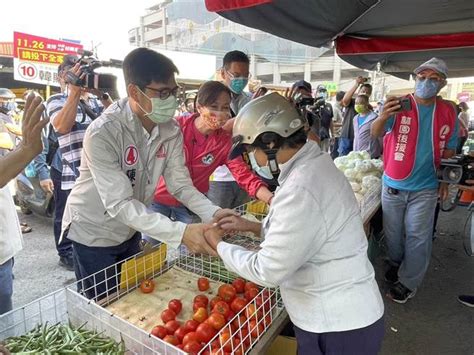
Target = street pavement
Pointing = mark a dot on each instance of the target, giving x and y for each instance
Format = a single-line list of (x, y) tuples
[(431, 323)]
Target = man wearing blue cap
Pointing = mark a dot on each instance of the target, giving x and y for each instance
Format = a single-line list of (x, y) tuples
[(417, 137)]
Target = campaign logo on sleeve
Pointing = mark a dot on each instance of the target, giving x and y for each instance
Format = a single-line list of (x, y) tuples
[(131, 155)]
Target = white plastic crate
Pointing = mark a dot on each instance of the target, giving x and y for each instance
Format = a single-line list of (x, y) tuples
[(108, 286)]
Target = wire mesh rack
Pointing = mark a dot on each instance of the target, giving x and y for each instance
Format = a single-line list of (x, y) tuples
[(86, 300)]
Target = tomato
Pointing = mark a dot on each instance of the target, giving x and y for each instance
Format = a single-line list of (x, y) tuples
[(255, 330), (191, 336), (216, 320), (263, 304), (191, 325), (215, 300), (251, 311), (222, 308), (249, 285), (244, 335), (200, 315), (239, 321), (180, 333), (238, 304), (175, 305), (197, 305), (203, 284), (239, 285), (227, 342), (180, 346), (147, 286), (230, 315), (171, 326), (250, 294), (159, 331), (205, 333), (192, 347), (167, 315), (227, 292), (171, 339), (202, 299)]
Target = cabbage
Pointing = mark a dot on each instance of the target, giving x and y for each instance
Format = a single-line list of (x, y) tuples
[(341, 160), (350, 174), (355, 186), (365, 155), (362, 191), (369, 181), (355, 156)]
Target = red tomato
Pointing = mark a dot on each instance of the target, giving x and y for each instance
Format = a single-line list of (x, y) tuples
[(239, 285), (147, 286), (230, 315), (216, 320), (250, 294), (200, 315), (227, 342), (263, 303), (251, 311), (180, 333), (171, 326), (180, 346), (171, 339), (175, 305), (215, 300), (201, 298), (159, 331), (239, 321), (191, 336), (227, 292), (255, 330), (191, 325), (205, 333), (197, 305), (167, 315), (238, 304), (192, 347), (222, 308), (203, 284), (249, 285), (244, 335)]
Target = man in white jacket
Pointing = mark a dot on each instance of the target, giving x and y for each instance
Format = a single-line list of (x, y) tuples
[(125, 151), (315, 247), (10, 166)]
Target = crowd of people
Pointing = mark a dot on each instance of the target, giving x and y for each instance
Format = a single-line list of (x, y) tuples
[(126, 170)]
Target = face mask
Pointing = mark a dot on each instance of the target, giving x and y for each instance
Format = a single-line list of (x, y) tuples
[(426, 89), (161, 110), (237, 85), (7, 106), (263, 171), (360, 108), (323, 95), (214, 119)]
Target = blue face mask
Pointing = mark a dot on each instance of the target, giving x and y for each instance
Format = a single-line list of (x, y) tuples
[(237, 85), (323, 95), (263, 171), (425, 89)]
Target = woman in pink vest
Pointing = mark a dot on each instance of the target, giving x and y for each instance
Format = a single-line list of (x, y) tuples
[(207, 146), (416, 139)]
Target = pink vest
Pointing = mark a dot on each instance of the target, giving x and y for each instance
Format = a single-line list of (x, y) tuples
[(401, 142)]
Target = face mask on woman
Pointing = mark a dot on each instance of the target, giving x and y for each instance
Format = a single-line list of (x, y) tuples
[(263, 171), (161, 110), (214, 119)]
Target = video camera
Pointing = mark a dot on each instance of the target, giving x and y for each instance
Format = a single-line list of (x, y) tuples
[(311, 109), (92, 80), (456, 170)]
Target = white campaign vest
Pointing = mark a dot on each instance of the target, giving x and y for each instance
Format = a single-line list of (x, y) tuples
[(11, 241)]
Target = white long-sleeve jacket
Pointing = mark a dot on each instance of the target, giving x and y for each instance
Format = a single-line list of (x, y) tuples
[(315, 248), (120, 167)]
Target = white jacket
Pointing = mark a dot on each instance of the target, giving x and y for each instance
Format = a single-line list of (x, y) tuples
[(315, 248), (120, 167), (11, 240)]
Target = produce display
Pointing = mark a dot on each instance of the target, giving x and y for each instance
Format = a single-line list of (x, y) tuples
[(63, 339), (363, 173)]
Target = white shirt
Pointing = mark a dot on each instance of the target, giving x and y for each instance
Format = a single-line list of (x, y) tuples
[(315, 248), (121, 165), (11, 240)]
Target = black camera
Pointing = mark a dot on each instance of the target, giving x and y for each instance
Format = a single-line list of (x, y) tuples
[(92, 80), (456, 170)]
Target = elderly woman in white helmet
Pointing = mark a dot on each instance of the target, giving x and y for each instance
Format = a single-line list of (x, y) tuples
[(314, 244)]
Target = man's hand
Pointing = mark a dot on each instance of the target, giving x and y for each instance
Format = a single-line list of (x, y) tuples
[(391, 106), (47, 185), (467, 188), (33, 124), (443, 191), (214, 236), (360, 80), (224, 212), (195, 241), (74, 89)]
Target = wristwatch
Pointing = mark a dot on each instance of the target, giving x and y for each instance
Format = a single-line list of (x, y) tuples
[(105, 96)]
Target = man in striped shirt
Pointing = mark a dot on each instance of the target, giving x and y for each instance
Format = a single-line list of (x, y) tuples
[(70, 114)]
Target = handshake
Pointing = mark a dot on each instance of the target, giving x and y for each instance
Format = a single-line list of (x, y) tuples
[(203, 238)]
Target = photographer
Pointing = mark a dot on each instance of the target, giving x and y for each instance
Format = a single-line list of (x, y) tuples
[(324, 112), (416, 139), (70, 114)]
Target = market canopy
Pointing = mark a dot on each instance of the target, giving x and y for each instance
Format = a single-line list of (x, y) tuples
[(397, 34)]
